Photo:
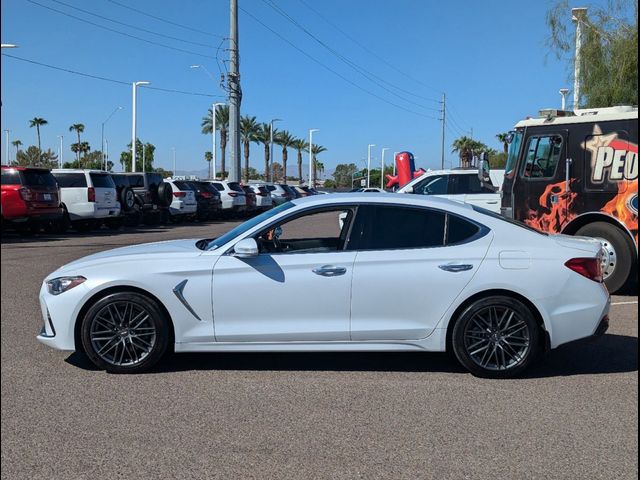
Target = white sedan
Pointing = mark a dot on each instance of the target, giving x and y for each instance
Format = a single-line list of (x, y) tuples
[(401, 272)]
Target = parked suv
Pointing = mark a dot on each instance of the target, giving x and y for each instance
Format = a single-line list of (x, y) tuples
[(263, 197), (460, 184), (30, 198), (184, 202), (279, 194), (88, 198), (234, 200), (153, 195), (124, 193), (208, 198)]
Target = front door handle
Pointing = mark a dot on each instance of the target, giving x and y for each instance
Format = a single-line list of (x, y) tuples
[(456, 267), (329, 271)]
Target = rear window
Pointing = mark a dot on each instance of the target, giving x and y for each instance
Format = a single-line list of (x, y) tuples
[(218, 186), (71, 180), (102, 180), (120, 180), (10, 177), (183, 185), (154, 180), (235, 186), (263, 190), (136, 181), (271, 188)]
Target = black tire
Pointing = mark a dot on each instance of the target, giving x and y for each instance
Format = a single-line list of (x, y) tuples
[(110, 343), (512, 342), (621, 255), (165, 194), (127, 199)]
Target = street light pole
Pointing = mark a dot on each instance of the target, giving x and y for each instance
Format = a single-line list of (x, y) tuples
[(104, 160), (382, 171), (6, 157), (369, 164), (135, 86), (311, 179), (60, 161), (173, 149)]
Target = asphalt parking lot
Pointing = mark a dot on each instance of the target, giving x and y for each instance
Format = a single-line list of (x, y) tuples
[(575, 414)]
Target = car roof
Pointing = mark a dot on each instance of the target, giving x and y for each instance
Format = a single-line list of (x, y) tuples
[(77, 170), (391, 198), (22, 169)]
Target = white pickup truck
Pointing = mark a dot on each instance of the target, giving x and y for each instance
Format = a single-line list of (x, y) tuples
[(460, 184)]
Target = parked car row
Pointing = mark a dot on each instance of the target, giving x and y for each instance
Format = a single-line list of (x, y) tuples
[(59, 199)]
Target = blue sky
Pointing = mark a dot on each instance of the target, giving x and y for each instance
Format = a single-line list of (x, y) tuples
[(489, 57)]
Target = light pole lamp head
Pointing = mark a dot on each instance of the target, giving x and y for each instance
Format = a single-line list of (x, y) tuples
[(141, 83), (9, 45), (564, 91), (578, 14), (195, 66)]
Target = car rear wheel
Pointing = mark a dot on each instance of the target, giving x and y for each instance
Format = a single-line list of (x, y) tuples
[(125, 332), (496, 337), (619, 253)]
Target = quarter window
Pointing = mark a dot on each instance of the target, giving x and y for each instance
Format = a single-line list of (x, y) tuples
[(543, 155), (390, 227), (460, 230)]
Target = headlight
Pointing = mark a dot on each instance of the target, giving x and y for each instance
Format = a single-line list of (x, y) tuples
[(59, 285)]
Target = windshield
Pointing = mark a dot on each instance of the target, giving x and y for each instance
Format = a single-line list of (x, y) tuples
[(246, 226), (514, 151)]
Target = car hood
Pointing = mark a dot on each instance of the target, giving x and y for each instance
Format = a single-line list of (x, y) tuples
[(145, 251)]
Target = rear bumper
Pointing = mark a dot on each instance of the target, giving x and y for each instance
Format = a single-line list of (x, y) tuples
[(90, 210), (27, 213)]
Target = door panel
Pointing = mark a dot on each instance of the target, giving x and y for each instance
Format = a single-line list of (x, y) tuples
[(279, 298), (403, 294)]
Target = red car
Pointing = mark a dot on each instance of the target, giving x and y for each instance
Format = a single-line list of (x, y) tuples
[(30, 197), (252, 204)]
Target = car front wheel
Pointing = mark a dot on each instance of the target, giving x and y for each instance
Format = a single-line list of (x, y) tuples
[(496, 337), (125, 332)]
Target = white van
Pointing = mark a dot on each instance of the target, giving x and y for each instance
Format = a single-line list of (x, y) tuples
[(89, 197)]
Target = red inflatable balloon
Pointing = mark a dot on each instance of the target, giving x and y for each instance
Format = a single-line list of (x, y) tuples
[(406, 170)]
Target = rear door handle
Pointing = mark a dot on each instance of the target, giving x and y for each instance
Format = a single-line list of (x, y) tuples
[(329, 271), (455, 268)]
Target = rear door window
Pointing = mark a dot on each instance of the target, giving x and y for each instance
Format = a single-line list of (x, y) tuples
[(71, 180), (218, 186), (10, 177), (102, 180), (467, 184), (400, 227), (182, 185)]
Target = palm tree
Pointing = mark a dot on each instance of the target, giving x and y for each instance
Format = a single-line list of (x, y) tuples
[(37, 122), (78, 128), (301, 145), (248, 133), (316, 150), (502, 138), (264, 136), (17, 144), (208, 156), (222, 124), (80, 148), (285, 140), (464, 147)]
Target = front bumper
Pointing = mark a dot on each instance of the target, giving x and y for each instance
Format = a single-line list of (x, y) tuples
[(59, 313)]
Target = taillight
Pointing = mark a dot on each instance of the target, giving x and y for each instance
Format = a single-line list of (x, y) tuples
[(206, 195), (233, 194), (261, 194), (91, 194), (27, 194), (590, 268), (179, 194)]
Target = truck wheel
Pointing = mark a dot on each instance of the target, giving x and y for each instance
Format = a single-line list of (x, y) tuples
[(619, 257)]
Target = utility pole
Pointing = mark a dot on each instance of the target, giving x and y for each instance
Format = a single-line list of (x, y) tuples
[(6, 136), (235, 95), (173, 150), (61, 137), (578, 15), (382, 171), (443, 119), (369, 164)]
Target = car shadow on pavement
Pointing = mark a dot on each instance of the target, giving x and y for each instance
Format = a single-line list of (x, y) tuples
[(608, 354)]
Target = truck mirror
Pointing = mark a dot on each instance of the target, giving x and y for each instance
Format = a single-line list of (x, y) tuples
[(484, 168)]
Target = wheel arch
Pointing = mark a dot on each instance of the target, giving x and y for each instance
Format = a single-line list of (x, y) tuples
[(585, 219), (115, 289), (544, 338)]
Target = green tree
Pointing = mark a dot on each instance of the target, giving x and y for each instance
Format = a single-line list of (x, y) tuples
[(93, 160), (264, 136), (248, 134), (317, 166), (17, 144), (208, 157), (503, 139), (80, 148), (301, 145), (38, 122), (609, 54), (251, 174), (277, 172), (78, 128), (147, 149), (285, 140), (222, 124), (343, 174), (34, 157)]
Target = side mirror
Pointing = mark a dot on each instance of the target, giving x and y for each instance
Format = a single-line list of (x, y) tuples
[(246, 248), (484, 168), (408, 190)]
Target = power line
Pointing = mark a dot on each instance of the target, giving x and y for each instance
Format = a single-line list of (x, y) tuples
[(453, 111), (119, 32), (454, 124), (186, 27), (371, 52), (315, 60), (362, 71), (105, 79), (132, 26)]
